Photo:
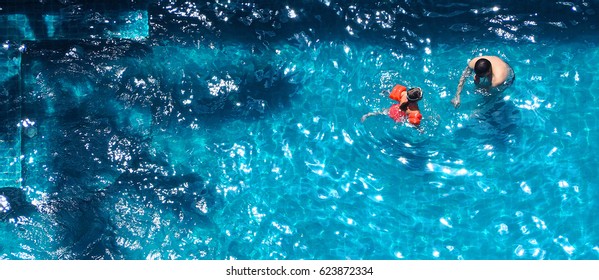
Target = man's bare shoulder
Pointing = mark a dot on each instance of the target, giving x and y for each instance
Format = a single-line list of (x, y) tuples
[(473, 61), (496, 60)]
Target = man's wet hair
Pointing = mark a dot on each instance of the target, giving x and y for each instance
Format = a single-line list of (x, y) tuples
[(482, 66)]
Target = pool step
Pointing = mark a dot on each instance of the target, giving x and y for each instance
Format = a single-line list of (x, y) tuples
[(19, 22), (10, 141), (10, 117), (10, 154), (10, 161)]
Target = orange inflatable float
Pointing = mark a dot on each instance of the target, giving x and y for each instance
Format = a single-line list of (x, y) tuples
[(395, 112)]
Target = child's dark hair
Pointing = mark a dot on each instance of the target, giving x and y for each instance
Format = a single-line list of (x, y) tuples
[(413, 94)]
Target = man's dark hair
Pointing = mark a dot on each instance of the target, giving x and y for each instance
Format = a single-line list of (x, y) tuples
[(482, 66)]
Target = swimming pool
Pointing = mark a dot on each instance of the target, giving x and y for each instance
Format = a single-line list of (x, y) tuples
[(231, 130)]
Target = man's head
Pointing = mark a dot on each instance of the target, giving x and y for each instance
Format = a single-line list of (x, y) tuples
[(482, 67)]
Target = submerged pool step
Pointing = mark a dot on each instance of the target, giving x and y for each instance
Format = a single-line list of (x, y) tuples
[(10, 141), (10, 116), (10, 160), (10, 136), (75, 24), (7, 182), (10, 156)]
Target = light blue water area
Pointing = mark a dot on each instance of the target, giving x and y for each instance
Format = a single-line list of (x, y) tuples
[(197, 148)]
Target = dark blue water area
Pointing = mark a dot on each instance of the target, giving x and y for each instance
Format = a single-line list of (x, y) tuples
[(230, 130)]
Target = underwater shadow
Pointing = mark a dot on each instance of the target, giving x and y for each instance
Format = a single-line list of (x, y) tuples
[(13, 204), (260, 94), (9, 105), (83, 206), (92, 158), (187, 196), (209, 97)]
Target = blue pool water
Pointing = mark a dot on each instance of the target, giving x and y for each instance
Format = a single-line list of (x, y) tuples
[(231, 130)]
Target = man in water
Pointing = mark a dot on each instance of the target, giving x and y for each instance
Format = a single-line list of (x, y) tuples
[(490, 72)]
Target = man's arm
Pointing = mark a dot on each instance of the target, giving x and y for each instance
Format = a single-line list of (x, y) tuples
[(456, 98)]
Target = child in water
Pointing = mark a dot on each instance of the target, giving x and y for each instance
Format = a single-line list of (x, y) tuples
[(407, 108)]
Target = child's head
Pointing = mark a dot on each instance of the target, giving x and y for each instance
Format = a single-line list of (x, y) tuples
[(414, 94)]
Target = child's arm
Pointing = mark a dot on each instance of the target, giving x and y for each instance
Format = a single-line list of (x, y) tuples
[(373, 114)]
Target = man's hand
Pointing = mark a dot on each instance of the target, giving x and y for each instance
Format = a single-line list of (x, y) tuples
[(456, 102)]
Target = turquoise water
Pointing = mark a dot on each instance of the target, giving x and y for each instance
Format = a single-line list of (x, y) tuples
[(208, 141)]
